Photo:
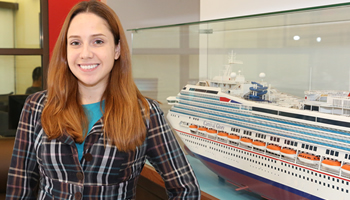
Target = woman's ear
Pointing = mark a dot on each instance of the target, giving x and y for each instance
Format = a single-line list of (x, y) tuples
[(117, 51)]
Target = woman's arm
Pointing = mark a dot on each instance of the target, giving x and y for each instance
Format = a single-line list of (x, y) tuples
[(23, 176), (167, 157)]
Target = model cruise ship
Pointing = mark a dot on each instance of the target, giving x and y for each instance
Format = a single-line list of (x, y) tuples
[(271, 143)]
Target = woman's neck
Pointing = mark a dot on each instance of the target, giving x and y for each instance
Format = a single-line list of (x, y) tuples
[(90, 95)]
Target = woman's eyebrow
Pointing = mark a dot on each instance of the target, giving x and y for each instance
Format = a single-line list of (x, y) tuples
[(93, 35)]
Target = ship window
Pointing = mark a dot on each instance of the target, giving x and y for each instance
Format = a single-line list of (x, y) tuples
[(297, 116), (307, 107), (307, 146), (315, 148), (295, 143), (346, 156), (265, 110), (303, 146), (327, 151), (315, 108), (212, 92), (278, 140), (333, 122), (336, 153), (311, 147), (332, 152)]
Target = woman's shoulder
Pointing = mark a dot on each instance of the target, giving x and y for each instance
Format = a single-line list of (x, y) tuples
[(153, 104), (37, 99)]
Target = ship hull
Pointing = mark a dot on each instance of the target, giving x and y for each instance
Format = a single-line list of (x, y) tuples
[(253, 183)]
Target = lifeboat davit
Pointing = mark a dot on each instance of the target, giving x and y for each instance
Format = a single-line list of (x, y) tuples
[(345, 168), (202, 131), (193, 129), (308, 158), (259, 144), (290, 153), (331, 164), (246, 141), (274, 148)]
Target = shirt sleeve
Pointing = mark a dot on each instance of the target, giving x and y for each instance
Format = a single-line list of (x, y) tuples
[(167, 157), (23, 176)]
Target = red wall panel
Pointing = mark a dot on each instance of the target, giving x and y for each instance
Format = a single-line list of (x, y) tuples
[(58, 10)]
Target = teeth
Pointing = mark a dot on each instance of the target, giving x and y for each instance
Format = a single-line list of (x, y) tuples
[(88, 66)]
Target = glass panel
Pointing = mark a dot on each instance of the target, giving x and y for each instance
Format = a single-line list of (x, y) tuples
[(297, 51), (164, 60), (7, 32), (16, 73), (21, 27)]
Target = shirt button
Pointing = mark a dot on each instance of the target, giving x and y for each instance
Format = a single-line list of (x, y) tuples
[(77, 196), (88, 157), (80, 176)]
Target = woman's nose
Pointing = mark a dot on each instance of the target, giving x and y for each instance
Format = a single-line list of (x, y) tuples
[(86, 52)]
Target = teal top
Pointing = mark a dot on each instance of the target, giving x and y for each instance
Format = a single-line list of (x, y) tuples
[(93, 113)]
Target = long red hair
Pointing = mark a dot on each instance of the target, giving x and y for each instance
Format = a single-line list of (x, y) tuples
[(123, 120)]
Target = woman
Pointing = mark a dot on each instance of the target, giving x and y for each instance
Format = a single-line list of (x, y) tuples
[(89, 134)]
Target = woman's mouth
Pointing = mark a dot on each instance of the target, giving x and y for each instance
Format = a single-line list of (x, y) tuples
[(85, 67)]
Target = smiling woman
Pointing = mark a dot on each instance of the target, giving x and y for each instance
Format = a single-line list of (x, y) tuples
[(90, 133), (91, 52)]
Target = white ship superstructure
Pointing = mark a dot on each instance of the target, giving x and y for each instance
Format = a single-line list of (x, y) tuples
[(298, 146)]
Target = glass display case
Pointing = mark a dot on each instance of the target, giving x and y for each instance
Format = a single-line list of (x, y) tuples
[(294, 51), (298, 50)]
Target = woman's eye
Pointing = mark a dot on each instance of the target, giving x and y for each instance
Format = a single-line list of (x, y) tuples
[(98, 41), (75, 43)]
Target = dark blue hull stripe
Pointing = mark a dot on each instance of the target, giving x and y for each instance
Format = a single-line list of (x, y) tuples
[(259, 178)]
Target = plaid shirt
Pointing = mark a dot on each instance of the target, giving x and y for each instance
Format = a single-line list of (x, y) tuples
[(50, 169)]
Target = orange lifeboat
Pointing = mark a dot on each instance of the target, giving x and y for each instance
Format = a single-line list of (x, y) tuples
[(202, 131), (212, 134), (193, 129), (258, 144), (246, 141), (290, 153), (331, 164), (345, 168), (222, 137), (274, 148), (233, 137), (308, 158), (222, 134)]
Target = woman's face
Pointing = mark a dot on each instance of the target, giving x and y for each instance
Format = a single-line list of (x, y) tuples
[(91, 50)]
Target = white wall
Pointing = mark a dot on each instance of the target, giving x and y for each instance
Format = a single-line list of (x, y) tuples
[(218, 9)]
